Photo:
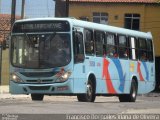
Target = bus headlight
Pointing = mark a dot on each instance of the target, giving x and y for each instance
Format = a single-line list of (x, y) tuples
[(63, 76), (15, 78)]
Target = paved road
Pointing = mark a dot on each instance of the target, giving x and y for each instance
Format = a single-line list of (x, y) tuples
[(21, 104)]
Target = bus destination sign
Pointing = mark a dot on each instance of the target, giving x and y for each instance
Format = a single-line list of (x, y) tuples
[(41, 26)]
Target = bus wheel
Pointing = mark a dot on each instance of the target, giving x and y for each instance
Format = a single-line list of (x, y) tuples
[(90, 94), (133, 93), (37, 97)]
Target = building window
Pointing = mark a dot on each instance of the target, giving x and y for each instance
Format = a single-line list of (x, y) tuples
[(132, 21), (100, 17)]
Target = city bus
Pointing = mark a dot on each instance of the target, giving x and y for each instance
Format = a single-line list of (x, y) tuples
[(66, 56)]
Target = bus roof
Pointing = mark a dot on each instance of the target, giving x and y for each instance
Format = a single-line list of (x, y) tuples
[(96, 26)]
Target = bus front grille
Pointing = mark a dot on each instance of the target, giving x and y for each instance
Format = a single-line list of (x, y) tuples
[(38, 74), (39, 87), (40, 81)]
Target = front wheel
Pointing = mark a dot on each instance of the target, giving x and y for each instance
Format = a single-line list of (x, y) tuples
[(90, 94), (37, 97), (133, 93)]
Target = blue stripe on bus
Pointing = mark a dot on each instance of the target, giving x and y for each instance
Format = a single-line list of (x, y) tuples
[(120, 73), (146, 70)]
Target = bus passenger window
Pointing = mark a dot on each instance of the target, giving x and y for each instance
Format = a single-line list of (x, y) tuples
[(133, 48), (99, 38), (142, 49), (89, 42), (78, 47), (111, 48), (123, 47), (150, 50)]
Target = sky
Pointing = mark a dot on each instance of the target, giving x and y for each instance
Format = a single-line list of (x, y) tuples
[(33, 8)]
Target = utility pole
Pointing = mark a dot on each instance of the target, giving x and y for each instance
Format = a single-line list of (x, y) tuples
[(0, 54), (61, 8), (23, 9), (13, 12), (0, 6), (67, 8)]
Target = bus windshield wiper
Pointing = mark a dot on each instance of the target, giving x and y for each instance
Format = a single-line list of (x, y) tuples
[(53, 35), (30, 41)]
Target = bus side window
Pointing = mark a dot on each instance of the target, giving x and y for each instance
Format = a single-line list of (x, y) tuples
[(123, 47), (142, 49), (111, 47), (99, 40), (89, 42), (150, 50), (78, 47), (133, 48)]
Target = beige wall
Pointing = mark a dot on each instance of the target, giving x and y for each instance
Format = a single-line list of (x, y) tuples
[(5, 67), (149, 21), (152, 23)]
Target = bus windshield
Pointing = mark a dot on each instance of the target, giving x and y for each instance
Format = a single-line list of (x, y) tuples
[(35, 50)]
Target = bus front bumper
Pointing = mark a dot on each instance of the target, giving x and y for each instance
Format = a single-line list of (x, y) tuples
[(55, 88)]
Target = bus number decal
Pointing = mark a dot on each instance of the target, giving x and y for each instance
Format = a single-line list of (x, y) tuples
[(98, 64), (92, 63)]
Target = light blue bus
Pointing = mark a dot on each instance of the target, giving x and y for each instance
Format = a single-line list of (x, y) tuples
[(65, 56)]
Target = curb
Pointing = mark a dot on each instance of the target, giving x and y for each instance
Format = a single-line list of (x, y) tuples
[(4, 89)]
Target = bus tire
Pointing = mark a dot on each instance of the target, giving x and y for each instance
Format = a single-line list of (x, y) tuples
[(37, 97), (90, 94), (80, 97), (133, 93)]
